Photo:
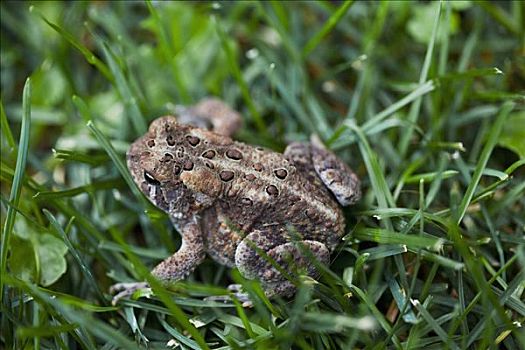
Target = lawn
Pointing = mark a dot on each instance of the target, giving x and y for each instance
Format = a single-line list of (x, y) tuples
[(424, 100)]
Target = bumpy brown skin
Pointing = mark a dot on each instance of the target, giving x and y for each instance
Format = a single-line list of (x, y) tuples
[(234, 201)]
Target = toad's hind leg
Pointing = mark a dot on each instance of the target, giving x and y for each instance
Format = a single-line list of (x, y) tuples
[(220, 239), (336, 175), (258, 255), (321, 166)]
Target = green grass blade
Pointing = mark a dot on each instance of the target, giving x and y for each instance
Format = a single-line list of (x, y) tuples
[(83, 266), (73, 316), (121, 167), (244, 318), (415, 108), (403, 303), (381, 190), (96, 186), (179, 336), (280, 13), (130, 102), (6, 130), (281, 26), (237, 74), (161, 292), (468, 74), (390, 237), (434, 325), (137, 250), (370, 40), (466, 310), (429, 177), (88, 55), (500, 15), (485, 154), (377, 314), (296, 106), (381, 116), (327, 27), (168, 52), (421, 90), (326, 322), (444, 48), (384, 251), (439, 259), (477, 274), (76, 156), (237, 322), (16, 189), (82, 108)]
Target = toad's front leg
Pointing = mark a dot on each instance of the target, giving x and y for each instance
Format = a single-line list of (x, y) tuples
[(176, 267)]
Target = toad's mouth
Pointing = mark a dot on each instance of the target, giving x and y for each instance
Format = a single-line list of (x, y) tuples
[(156, 196)]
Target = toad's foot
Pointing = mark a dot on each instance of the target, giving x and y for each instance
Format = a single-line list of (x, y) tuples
[(126, 289), (234, 287), (236, 291)]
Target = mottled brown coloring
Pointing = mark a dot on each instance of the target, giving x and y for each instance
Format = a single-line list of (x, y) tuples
[(233, 199)]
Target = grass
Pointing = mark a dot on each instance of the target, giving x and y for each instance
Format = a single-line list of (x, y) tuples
[(424, 100)]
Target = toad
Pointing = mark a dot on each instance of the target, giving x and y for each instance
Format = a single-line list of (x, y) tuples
[(245, 206)]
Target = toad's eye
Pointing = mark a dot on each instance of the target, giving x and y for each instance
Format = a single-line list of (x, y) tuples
[(150, 179)]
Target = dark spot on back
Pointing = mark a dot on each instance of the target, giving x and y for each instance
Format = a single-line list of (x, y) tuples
[(167, 158), (250, 177), (188, 165), (193, 140), (151, 143), (226, 175), (234, 154), (209, 154), (170, 140), (281, 173), (272, 190)]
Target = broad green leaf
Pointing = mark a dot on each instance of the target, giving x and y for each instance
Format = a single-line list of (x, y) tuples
[(51, 252), (21, 261), (36, 255), (513, 134), (18, 178)]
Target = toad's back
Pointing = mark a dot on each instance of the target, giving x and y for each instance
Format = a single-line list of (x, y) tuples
[(263, 190)]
